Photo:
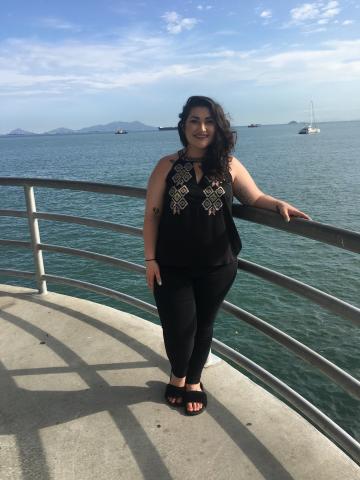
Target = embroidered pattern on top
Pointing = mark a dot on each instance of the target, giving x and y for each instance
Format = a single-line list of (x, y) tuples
[(213, 194), (182, 174), (178, 201)]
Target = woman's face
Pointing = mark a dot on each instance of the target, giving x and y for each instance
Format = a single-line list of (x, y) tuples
[(199, 128)]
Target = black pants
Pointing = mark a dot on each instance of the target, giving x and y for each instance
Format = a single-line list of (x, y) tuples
[(187, 302)]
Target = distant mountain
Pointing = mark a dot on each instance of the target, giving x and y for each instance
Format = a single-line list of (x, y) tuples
[(19, 131), (60, 131), (119, 125), (109, 127)]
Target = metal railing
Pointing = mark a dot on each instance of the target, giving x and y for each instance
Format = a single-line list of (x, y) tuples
[(325, 233)]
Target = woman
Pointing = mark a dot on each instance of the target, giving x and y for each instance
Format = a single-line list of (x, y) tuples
[(191, 242)]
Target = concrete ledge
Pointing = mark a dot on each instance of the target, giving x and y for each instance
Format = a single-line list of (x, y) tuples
[(82, 398)]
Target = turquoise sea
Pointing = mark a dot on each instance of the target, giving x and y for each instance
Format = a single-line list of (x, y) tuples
[(319, 174)]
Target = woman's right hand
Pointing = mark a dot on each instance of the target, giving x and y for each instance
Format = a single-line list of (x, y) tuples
[(152, 273)]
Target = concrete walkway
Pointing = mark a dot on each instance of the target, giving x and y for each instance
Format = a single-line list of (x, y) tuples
[(81, 398)]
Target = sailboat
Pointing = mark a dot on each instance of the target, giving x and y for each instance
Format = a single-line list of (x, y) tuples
[(312, 127)]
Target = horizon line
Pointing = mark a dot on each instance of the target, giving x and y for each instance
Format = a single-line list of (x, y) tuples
[(153, 128)]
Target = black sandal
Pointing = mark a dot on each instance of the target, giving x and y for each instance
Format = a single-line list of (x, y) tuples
[(175, 392), (194, 396)]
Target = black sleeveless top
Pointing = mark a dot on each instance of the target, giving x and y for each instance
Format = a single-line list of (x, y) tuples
[(196, 226)]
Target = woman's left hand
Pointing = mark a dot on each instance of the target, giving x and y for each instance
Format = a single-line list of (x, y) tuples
[(286, 211)]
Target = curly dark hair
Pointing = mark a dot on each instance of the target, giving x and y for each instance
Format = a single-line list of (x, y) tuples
[(216, 162)]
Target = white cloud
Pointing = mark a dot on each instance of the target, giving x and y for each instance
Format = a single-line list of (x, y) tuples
[(332, 4), (317, 11), (204, 7), (176, 24), (330, 12), (347, 22), (56, 69), (266, 14), (58, 24), (62, 67), (220, 54), (310, 31), (340, 59), (227, 54), (307, 11)]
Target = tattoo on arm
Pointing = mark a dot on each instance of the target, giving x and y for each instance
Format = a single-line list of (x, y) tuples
[(244, 197), (156, 211)]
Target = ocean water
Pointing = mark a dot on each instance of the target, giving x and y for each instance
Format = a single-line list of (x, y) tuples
[(319, 174)]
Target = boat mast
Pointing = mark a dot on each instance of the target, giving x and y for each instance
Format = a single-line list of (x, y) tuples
[(312, 117)]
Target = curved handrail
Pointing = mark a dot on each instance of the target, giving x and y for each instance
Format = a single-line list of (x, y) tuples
[(117, 262), (325, 233), (340, 436), (317, 296), (339, 376), (96, 187), (332, 371), (284, 390), (323, 299), (337, 237)]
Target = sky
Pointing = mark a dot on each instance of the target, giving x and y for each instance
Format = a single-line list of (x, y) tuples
[(79, 63)]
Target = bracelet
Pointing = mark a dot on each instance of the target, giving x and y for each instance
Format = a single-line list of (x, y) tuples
[(149, 259)]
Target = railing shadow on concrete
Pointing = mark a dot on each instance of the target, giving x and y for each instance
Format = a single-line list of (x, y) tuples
[(64, 406), (341, 238)]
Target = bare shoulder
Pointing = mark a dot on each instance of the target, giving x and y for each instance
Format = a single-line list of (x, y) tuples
[(235, 166), (164, 165), (244, 186), (169, 159), (234, 162)]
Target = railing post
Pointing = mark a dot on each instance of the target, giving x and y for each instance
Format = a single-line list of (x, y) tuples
[(35, 239)]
